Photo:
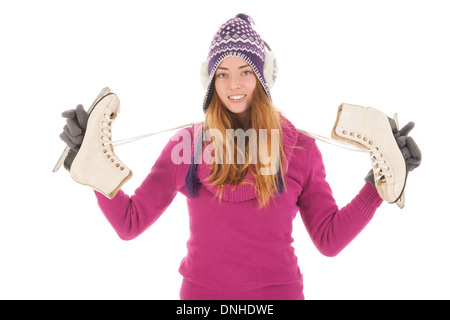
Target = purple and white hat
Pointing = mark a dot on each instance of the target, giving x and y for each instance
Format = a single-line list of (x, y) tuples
[(236, 37)]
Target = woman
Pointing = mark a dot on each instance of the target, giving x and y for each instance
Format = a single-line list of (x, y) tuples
[(240, 244)]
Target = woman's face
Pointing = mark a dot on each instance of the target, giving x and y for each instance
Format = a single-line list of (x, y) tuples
[(235, 83)]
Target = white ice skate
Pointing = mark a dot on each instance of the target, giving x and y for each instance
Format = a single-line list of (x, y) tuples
[(370, 129), (95, 164)]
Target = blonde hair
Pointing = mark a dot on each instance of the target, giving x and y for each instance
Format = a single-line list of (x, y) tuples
[(263, 115)]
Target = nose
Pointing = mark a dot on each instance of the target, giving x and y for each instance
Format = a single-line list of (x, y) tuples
[(235, 83)]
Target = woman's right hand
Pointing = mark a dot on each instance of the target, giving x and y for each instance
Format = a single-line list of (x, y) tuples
[(73, 131)]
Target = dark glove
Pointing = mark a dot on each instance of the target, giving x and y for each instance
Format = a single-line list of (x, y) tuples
[(73, 131), (409, 149)]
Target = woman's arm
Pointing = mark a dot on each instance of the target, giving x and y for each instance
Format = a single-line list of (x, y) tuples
[(330, 228), (130, 216)]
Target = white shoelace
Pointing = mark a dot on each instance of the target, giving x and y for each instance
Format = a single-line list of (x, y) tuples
[(333, 142), (378, 165), (107, 130), (133, 139), (125, 141)]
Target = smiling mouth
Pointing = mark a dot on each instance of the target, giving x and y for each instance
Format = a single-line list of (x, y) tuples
[(237, 97)]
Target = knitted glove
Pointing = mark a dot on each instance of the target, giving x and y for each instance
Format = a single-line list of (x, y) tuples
[(409, 149), (73, 131)]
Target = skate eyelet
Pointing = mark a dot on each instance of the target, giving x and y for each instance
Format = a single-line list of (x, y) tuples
[(108, 156), (359, 136), (112, 160), (370, 142), (121, 168), (365, 139), (117, 165), (104, 150), (344, 131), (352, 134)]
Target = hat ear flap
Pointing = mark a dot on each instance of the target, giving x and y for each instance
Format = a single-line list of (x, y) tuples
[(204, 75), (270, 69)]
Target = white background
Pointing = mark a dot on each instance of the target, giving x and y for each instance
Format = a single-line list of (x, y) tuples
[(54, 241)]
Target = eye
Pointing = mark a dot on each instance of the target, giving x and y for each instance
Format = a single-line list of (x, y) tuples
[(221, 75), (246, 73)]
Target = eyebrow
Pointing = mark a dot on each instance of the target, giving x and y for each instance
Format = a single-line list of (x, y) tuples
[(241, 67)]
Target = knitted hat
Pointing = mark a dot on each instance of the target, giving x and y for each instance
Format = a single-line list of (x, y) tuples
[(236, 37)]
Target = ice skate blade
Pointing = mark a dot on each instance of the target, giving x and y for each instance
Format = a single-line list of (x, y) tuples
[(401, 201), (394, 123), (61, 159), (105, 91), (396, 127)]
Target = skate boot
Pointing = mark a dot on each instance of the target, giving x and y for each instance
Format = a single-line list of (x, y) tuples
[(95, 164), (370, 129)]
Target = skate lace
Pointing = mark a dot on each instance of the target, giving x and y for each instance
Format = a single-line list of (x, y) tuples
[(107, 130), (378, 165), (128, 140), (332, 142)]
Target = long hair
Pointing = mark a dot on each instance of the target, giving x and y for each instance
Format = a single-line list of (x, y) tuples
[(263, 115)]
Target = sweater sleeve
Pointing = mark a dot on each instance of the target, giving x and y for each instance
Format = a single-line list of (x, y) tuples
[(130, 216), (330, 228)]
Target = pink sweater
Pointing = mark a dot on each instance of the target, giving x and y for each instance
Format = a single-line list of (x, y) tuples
[(233, 245)]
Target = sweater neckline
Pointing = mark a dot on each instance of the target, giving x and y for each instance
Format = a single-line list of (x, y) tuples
[(243, 192)]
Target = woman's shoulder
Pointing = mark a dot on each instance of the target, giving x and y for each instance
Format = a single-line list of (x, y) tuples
[(304, 141), (294, 136)]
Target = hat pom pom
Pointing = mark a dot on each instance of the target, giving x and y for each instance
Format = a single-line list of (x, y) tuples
[(245, 17)]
